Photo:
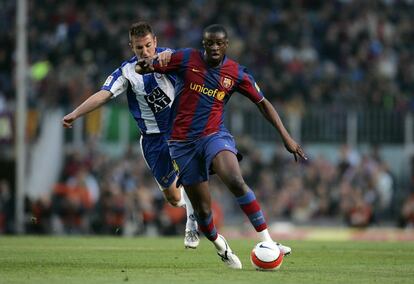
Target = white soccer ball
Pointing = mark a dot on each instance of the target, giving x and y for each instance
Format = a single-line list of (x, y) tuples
[(266, 256)]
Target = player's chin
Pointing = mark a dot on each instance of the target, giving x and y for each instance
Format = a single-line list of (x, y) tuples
[(216, 58)]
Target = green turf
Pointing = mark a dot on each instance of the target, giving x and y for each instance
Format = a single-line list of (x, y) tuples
[(164, 260)]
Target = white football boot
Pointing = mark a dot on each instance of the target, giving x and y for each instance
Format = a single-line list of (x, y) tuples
[(191, 239), (284, 249), (228, 257)]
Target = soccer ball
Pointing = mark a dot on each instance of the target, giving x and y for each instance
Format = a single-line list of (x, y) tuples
[(266, 256)]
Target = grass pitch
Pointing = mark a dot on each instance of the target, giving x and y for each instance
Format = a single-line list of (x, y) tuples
[(164, 260)]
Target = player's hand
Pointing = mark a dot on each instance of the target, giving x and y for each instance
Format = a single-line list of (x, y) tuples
[(295, 149), (68, 120), (164, 57), (144, 65)]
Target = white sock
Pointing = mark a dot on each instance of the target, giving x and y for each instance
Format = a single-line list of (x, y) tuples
[(265, 236), (191, 224), (220, 244), (182, 201)]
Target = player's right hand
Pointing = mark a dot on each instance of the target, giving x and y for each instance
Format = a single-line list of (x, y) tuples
[(68, 120), (143, 66)]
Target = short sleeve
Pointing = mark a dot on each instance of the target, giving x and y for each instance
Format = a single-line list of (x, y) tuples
[(248, 87), (116, 83)]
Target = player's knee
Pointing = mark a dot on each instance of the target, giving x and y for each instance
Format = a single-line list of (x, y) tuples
[(173, 198), (237, 184), (174, 202), (203, 210)]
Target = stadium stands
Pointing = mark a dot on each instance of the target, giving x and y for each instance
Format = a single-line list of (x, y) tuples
[(351, 59)]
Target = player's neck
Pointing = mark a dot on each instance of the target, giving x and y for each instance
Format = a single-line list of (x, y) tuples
[(212, 63)]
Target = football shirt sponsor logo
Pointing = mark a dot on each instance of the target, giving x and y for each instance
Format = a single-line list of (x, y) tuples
[(157, 100), (215, 93)]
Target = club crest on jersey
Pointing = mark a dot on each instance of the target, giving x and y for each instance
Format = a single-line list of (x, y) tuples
[(227, 82), (158, 75)]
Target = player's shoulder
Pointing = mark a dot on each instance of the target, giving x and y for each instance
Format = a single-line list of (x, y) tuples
[(231, 62), (127, 68), (130, 62), (187, 50), (162, 49), (241, 68), (234, 67)]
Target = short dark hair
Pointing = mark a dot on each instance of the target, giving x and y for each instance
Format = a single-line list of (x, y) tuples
[(140, 29), (216, 28)]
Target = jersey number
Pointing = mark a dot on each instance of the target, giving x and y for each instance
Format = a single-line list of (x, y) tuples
[(157, 100)]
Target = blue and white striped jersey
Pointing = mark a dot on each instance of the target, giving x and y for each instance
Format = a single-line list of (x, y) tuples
[(149, 96)]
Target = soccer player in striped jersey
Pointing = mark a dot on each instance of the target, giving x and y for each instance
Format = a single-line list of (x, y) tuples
[(149, 99), (199, 141)]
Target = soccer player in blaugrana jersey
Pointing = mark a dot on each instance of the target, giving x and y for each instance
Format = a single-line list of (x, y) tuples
[(149, 99), (199, 141)]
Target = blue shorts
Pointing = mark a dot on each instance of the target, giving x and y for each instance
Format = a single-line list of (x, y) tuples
[(157, 156), (193, 158)]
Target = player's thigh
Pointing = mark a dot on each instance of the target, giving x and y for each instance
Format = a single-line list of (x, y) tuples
[(225, 163), (188, 162), (226, 166), (222, 153), (157, 157)]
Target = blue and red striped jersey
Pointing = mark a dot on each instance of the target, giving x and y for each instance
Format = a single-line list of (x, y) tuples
[(201, 92)]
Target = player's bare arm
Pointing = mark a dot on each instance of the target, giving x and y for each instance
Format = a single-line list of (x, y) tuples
[(270, 113), (92, 103)]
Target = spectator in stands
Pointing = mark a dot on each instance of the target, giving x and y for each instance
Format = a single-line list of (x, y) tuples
[(6, 207), (407, 213), (72, 204)]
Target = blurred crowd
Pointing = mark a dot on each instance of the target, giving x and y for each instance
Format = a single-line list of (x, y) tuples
[(341, 53), (103, 195), (99, 194)]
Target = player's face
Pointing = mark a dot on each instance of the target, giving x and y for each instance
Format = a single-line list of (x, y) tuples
[(143, 47), (215, 45)]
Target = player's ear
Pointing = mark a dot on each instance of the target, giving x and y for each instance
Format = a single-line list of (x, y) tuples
[(130, 41), (155, 41)]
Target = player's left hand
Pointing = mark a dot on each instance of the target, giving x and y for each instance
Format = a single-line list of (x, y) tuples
[(295, 149)]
